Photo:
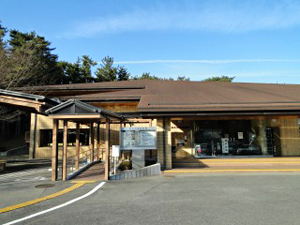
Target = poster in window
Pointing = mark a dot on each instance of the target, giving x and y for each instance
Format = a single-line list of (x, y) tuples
[(240, 135)]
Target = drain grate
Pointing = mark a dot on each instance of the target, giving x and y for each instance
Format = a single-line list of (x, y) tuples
[(44, 185)]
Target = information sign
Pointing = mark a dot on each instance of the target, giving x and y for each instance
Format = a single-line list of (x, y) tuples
[(138, 138)]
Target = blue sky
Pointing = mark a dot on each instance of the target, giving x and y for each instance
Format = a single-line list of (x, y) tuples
[(255, 41)]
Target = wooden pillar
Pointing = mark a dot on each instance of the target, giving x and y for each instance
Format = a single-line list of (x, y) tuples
[(54, 151), (98, 141), (92, 142), (77, 145), (122, 155), (65, 150), (107, 150)]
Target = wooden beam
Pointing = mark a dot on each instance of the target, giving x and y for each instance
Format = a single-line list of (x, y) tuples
[(71, 117), (92, 142), (107, 150), (77, 145), (65, 150), (54, 151)]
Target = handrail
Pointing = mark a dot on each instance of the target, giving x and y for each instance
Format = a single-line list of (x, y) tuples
[(82, 152), (16, 148)]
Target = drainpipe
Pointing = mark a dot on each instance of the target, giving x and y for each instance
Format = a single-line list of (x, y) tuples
[(164, 143)]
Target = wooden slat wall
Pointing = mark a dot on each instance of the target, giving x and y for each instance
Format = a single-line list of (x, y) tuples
[(289, 137), (117, 107)]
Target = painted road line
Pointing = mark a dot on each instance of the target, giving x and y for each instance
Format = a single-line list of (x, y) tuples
[(57, 207), (83, 181), (24, 204), (231, 170), (244, 162)]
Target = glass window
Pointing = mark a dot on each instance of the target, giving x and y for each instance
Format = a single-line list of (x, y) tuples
[(46, 137), (228, 137)]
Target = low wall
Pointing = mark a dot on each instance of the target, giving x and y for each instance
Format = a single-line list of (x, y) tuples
[(144, 172)]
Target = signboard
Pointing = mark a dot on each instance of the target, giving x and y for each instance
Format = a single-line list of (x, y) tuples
[(138, 138), (116, 151)]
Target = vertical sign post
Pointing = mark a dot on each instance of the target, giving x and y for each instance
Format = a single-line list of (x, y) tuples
[(115, 155)]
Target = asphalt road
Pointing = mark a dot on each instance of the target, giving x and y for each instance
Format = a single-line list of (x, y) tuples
[(181, 199)]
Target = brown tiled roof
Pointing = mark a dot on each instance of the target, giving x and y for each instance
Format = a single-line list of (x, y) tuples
[(183, 96), (137, 84)]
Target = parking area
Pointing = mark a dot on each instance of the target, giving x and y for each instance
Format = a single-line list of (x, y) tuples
[(240, 198)]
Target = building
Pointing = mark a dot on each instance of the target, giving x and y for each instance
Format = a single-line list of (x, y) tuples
[(193, 119)]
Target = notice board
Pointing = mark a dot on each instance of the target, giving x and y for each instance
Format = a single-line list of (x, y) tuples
[(138, 138)]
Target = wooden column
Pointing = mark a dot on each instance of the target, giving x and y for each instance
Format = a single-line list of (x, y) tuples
[(92, 142), (65, 150), (98, 141), (121, 151), (77, 145), (107, 150), (54, 151)]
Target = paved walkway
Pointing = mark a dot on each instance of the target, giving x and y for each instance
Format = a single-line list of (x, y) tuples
[(272, 164), (95, 172)]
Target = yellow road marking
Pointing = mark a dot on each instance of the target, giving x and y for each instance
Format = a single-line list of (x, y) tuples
[(231, 170), (224, 162), (77, 184), (83, 181), (251, 159)]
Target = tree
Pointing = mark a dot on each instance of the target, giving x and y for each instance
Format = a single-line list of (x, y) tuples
[(106, 71), (78, 72), (146, 76), (28, 60), (183, 78), (122, 73), (3, 31), (70, 72), (86, 64), (3, 55), (219, 79)]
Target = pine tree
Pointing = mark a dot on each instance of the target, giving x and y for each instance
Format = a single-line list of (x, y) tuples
[(106, 71), (122, 74)]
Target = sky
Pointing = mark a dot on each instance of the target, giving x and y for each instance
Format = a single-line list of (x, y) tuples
[(253, 41)]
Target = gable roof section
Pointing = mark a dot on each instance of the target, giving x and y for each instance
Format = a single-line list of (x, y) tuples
[(75, 109)]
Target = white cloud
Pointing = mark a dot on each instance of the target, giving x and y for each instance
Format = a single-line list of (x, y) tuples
[(207, 61), (223, 16)]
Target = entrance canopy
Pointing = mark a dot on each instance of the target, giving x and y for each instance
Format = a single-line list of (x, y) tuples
[(79, 112)]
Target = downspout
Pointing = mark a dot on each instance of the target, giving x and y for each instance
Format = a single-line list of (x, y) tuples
[(164, 143)]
